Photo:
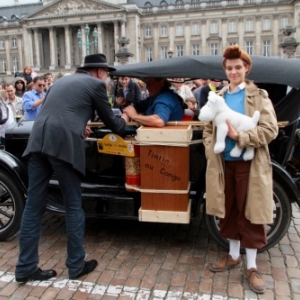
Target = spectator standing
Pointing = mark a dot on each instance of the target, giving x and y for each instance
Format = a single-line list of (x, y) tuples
[(214, 85), (56, 144), (240, 192), (7, 117), (14, 102), (33, 100), (182, 90), (128, 92), (48, 81), (20, 86), (197, 90), (110, 88), (27, 74)]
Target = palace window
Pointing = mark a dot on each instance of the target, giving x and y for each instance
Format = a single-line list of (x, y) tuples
[(232, 26), (15, 64), (179, 50), (163, 31), (249, 25), (14, 43), (267, 48), (196, 50), (267, 24), (148, 31), (2, 65), (214, 49), (164, 52), (284, 22), (213, 27), (148, 6), (232, 43), (179, 30), (2, 44), (148, 54), (163, 5), (195, 28), (179, 4), (249, 47)]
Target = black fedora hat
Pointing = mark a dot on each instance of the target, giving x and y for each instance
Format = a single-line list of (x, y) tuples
[(96, 61)]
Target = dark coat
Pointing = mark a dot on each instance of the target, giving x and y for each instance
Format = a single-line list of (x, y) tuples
[(134, 94), (69, 104)]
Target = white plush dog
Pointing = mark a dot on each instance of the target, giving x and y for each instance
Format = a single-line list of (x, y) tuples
[(216, 109)]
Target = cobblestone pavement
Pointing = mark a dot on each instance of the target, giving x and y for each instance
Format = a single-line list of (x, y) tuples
[(150, 261)]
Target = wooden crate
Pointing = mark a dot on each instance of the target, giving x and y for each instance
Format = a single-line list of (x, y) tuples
[(170, 202), (162, 216), (168, 134), (164, 167)]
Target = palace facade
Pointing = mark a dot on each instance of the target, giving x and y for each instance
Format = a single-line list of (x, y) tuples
[(55, 35)]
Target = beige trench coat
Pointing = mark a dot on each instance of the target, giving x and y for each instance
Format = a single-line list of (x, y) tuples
[(259, 206)]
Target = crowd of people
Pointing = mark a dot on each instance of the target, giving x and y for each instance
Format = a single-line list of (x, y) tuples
[(150, 101)]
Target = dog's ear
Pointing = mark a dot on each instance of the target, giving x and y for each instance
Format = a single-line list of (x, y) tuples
[(212, 96)]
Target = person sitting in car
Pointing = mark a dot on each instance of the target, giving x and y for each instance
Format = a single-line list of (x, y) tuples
[(161, 106)]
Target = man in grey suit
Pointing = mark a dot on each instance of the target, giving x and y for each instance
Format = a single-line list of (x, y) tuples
[(56, 144)]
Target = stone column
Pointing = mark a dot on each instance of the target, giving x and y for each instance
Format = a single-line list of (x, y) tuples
[(53, 52), (8, 57), (83, 49), (116, 37), (20, 48), (100, 37), (68, 47), (37, 66), (241, 32), (171, 37), (224, 34), (204, 36), (258, 49), (155, 39), (123, 27), (275, 45), (187, 30), (28, 50)]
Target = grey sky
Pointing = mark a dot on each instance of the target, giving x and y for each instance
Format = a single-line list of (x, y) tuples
[(13, 2)]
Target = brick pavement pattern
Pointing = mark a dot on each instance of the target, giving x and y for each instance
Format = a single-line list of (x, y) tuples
[(150, 261)]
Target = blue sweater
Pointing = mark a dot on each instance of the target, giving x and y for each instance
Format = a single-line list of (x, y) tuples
[(236, 101)]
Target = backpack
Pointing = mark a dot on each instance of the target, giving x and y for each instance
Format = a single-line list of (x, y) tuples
[(4, 113)]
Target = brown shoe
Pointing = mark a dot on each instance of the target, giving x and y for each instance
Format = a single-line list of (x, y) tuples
[(256, 282), (226, 262)]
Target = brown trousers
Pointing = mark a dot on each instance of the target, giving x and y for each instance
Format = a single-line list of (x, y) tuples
[(235, 226)]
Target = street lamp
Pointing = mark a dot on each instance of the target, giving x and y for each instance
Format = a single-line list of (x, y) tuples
[(87, 41), (170, 53)]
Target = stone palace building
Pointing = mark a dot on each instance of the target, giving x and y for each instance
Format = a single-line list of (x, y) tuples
[(55, 35)]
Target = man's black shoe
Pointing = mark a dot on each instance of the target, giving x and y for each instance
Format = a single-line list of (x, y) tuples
[(38, 275), (89, 266)]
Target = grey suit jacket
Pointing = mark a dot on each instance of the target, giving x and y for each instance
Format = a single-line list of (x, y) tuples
[(69, 104)]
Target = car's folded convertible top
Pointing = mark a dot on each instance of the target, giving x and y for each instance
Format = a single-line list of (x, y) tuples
[(264, 70)]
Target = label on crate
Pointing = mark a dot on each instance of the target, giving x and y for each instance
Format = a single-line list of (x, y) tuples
[(114, 144)]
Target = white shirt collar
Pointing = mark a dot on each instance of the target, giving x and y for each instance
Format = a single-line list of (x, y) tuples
[(238, 88)]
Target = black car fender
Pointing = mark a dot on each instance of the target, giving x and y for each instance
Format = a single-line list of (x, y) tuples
[(15, 168), (287, 182)]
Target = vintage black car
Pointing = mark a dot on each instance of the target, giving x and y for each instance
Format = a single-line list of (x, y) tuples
[(103, 189)]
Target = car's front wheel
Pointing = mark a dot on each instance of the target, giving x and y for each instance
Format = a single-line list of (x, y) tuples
[(12, 202), (282, 214)]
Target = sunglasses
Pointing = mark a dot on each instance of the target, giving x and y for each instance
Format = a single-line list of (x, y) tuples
[(40, 85), (20, 82)]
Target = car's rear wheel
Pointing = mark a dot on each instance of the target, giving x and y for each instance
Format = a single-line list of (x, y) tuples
[(12, 202), (282, 214)]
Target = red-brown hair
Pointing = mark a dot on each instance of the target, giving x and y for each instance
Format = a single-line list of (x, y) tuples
[(235, 52)]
